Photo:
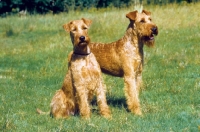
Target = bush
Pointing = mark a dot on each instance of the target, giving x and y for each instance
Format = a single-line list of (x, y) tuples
[(44, 6)]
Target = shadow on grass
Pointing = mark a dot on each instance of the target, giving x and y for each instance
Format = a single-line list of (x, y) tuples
[(114, 102), (117, 102)]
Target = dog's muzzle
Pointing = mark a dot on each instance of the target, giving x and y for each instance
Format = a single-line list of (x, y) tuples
[(83, 41), (154, 30), (82, 38)]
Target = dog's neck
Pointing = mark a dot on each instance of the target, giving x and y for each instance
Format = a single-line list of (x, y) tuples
[(82, 51), (132, 37)]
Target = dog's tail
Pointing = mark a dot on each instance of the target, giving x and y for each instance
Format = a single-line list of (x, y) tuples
[(138, 6), (42, 112)]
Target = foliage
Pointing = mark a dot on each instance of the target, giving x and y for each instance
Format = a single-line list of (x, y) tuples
[(44, 6), (33, 63)]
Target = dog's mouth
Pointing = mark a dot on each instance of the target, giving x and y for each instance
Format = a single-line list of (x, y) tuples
[(83, 43), (149, 38)]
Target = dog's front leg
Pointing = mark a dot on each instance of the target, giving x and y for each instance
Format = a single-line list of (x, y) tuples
[(83, 101), (101, 100), (139, 82), (131, 93)]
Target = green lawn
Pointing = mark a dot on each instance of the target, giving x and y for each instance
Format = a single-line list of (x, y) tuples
[(33, 63)]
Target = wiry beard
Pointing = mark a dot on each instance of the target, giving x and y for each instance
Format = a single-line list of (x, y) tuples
[(148, 41)]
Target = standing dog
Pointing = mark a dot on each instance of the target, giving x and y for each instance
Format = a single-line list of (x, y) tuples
[(83, 79), (124, 58)]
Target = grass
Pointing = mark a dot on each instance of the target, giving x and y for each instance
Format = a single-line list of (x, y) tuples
[(33, 64)]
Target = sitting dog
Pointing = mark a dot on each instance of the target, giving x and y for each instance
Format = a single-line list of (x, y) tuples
[(83, 80)]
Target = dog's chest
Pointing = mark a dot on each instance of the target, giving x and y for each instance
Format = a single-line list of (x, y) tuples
[(86, 68)]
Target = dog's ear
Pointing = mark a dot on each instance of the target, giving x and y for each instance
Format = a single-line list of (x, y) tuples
[(132, 15), (146, 12), (87, 21), (66, 27)]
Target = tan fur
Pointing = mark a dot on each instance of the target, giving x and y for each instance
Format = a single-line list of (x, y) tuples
[(63, 103), (124, 58), (83, 79)]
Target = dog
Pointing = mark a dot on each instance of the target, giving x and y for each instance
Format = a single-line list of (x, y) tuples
[(124, 58), (83, 80)]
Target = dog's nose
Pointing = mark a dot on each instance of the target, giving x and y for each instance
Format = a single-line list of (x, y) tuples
[(82, 38), (154, 30)]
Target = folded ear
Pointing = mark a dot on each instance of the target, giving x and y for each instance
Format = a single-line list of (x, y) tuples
[(132, 15), (66, 27), (87, 21), (146, 12)]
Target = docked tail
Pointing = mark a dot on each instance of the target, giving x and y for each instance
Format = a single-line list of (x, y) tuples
[(138, 5), (42, 112)]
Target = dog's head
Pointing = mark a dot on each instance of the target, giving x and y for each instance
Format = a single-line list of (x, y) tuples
[(143, 26), (78, 30)]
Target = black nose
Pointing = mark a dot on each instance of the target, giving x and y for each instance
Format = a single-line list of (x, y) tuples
[(154, 30), (82, 38)]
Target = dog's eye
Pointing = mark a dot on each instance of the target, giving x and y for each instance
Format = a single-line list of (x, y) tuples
[(84, 28), (73, 29), (142, 21), (150, 19)]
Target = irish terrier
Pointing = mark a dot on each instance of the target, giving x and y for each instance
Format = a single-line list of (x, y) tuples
[(83, 79), (124, 58)]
